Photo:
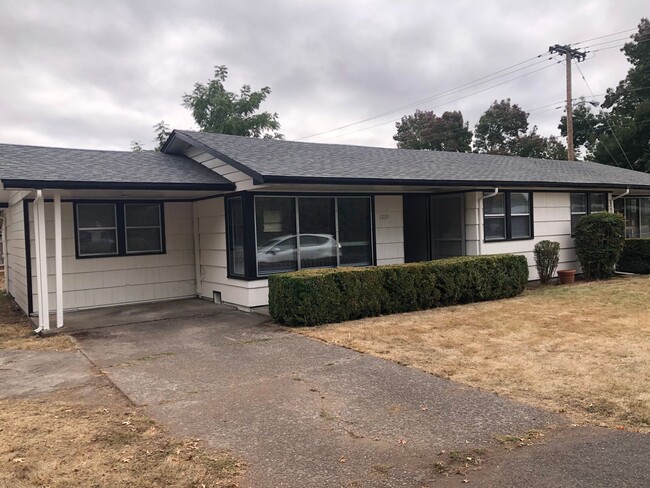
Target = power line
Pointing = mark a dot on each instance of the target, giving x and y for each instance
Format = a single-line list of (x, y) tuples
[(606, 42), (442, 104), (462, 87), (451, 91), (602, 37), (620, 45), (608, 125)]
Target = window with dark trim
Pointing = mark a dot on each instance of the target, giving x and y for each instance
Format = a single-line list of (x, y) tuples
[(508, 216), (584, 204), (235, 219), (105, 229), (268, 234), (637, 216)]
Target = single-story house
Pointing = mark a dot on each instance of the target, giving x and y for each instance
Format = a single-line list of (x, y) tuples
[(213, 215)]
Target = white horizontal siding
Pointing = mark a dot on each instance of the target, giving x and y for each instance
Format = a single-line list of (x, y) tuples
[(552, 221), (241, 179), (213, 260), (98, 282), (16, 254), (389, 229)]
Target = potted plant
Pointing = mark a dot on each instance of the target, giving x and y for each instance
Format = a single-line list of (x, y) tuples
[(566, 276)]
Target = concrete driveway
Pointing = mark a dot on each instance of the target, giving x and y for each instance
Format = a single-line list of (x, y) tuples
[(303, 413)]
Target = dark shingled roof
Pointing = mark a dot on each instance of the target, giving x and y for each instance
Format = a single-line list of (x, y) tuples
[(49, 167), (268, 160)]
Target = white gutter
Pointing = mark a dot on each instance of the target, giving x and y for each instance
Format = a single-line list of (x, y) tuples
[(479, 220), (490, 195), (611, 208), (626, 192), (4, 250)]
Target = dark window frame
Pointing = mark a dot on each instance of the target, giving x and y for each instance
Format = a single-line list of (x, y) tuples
[(589, 197), (623, 209), (250, 238), (121, 228), (508, 217)]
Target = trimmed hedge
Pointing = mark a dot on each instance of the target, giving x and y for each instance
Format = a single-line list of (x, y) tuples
[(635, 257), (321, 296)]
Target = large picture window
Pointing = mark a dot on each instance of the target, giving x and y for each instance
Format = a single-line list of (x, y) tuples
[(292, 233), (118, 228), (584, 204), (508, 216)]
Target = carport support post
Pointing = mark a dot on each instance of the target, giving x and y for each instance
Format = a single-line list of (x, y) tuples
[(197, 248), (41, 262), (58, 260)]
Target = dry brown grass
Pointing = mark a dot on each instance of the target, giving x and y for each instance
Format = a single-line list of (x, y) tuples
[(55, 443), (93, 436), (16, 331), (581, 349)]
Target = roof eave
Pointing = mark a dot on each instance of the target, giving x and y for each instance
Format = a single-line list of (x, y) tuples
[(113, 185), (427, 182)]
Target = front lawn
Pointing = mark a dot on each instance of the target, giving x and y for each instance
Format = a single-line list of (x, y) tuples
[(91, 435), (581, 349)]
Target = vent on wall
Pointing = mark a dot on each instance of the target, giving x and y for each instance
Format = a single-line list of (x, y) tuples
[(216, 297)]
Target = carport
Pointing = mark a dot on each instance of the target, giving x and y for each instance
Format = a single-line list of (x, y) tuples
[(96, 318)]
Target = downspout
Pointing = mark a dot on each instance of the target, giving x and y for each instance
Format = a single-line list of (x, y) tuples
[(479, 220), (4, 250), (626, 192), (37, 241)]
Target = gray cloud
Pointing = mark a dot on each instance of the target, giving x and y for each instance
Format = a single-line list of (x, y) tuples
[(84, 74)]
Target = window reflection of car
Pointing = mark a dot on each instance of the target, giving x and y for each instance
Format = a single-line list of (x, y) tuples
[(319, 249)]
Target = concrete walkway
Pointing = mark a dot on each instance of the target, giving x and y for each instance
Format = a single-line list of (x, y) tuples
[(302, 413), (37, 372)]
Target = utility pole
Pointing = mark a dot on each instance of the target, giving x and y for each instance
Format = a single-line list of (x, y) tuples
[(579, 56)]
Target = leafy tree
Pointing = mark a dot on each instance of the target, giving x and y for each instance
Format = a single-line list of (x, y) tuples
[(136, 146), (499, 126), (587, 127), (216, 109), (161, 132), (532, 145), (425, 130), (627, 124), (502, 130)]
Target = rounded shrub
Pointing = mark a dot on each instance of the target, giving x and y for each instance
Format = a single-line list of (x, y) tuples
[(599, 240), (547, 257)]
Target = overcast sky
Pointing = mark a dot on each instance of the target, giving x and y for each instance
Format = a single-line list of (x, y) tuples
[(101, 74)]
